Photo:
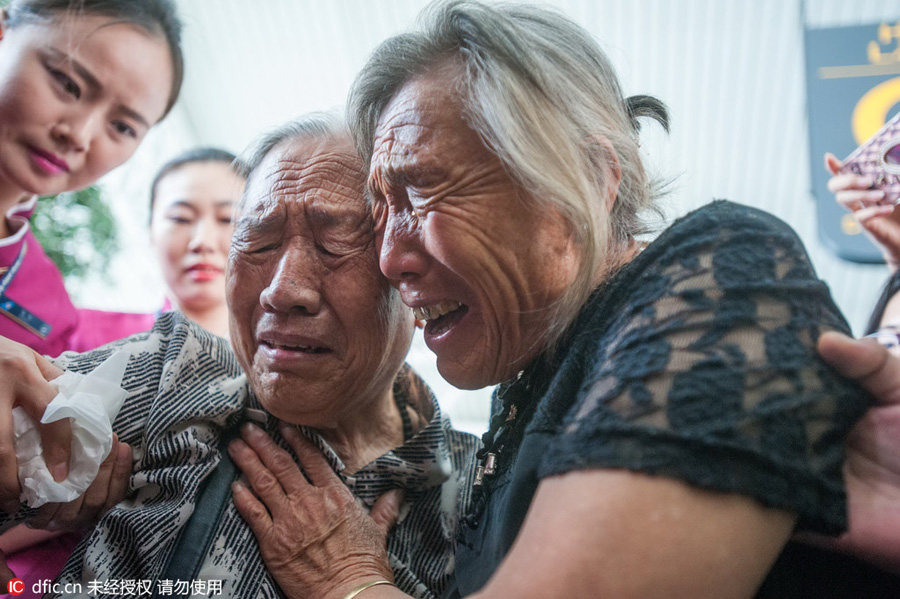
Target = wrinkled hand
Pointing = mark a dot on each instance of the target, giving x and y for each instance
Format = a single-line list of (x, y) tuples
[(880, 221), (314, 537), (23, 382), (872, 467)]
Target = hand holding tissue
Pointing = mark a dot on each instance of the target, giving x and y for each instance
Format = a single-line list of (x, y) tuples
[(92, 401)]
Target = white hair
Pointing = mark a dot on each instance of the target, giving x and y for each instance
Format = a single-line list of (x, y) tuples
[(546, 100)]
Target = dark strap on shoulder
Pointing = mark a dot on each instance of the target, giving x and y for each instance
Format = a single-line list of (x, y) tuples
[(196, 537)]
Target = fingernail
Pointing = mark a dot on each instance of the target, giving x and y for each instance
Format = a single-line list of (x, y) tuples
[(866, 180), (59, 471), (122, 456)]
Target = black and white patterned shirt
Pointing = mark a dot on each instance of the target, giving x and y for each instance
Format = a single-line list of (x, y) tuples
[(184, 388)]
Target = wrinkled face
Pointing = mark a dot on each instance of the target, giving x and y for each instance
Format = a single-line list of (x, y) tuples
[(77, 96), (456, 237), (190, 230), (314, 324)]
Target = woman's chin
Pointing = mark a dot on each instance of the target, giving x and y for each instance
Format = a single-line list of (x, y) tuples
[(468, 373)]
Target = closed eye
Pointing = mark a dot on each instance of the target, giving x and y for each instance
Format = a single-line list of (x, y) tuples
[(326, 252)]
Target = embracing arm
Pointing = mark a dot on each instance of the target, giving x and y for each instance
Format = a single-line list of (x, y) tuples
[(594, 533), (614, 533)]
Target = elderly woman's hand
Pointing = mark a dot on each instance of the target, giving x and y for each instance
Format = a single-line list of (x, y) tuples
[(881, 222), (23, 382), (314, 537), (872, 467)]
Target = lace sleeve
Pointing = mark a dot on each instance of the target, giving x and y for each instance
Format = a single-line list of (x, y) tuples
[(708, 373)]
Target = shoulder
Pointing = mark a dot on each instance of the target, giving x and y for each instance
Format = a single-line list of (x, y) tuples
[(732, 233), (722, 215), (174, 343), (723, 245), (98, 327)]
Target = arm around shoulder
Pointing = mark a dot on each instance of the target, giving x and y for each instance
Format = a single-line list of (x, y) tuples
[(616, 533)]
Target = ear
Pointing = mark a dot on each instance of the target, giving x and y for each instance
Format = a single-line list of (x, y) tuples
[(614, 170)]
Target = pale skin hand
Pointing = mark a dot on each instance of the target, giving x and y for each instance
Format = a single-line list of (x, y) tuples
[(872, 467), (880, 222), (314, 538), (109, 488), (24, 376), (696, 543)]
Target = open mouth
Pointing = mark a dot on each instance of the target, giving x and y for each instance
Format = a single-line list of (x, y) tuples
[(441, 317), (306, 349)]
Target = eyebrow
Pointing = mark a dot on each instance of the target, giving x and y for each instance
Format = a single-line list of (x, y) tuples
[(93, 82), (187, 203), (181, 204)]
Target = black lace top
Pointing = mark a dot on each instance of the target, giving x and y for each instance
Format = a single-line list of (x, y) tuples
[(695, 361)]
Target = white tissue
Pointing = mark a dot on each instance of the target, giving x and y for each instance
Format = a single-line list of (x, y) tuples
[(92, 401)]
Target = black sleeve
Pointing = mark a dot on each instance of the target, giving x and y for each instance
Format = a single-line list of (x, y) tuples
[(709, 373)]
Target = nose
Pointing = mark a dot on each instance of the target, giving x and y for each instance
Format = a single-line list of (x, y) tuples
[(202, 236), (75, 131), (295, 285), (401, 253)]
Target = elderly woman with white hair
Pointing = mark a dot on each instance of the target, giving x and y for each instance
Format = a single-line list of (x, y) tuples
[(664, 423)]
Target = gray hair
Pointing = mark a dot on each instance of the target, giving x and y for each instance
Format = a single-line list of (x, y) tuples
[(313, 126), (546, 100)]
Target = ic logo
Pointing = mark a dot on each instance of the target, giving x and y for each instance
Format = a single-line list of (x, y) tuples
[(15, 586)]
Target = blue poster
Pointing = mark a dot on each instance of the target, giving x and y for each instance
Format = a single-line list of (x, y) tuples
[(853, 88)]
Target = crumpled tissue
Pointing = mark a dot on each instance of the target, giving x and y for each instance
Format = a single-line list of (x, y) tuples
[(92, 401)]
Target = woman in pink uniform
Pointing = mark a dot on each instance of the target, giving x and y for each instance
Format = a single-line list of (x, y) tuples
[(191, 201), (83, 82)]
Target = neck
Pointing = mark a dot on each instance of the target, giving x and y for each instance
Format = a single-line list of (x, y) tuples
[(214, 320), (364, 435), (8, 199)]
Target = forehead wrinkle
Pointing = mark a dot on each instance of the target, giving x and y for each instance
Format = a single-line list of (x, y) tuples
[(323, 179), (263, 212)]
